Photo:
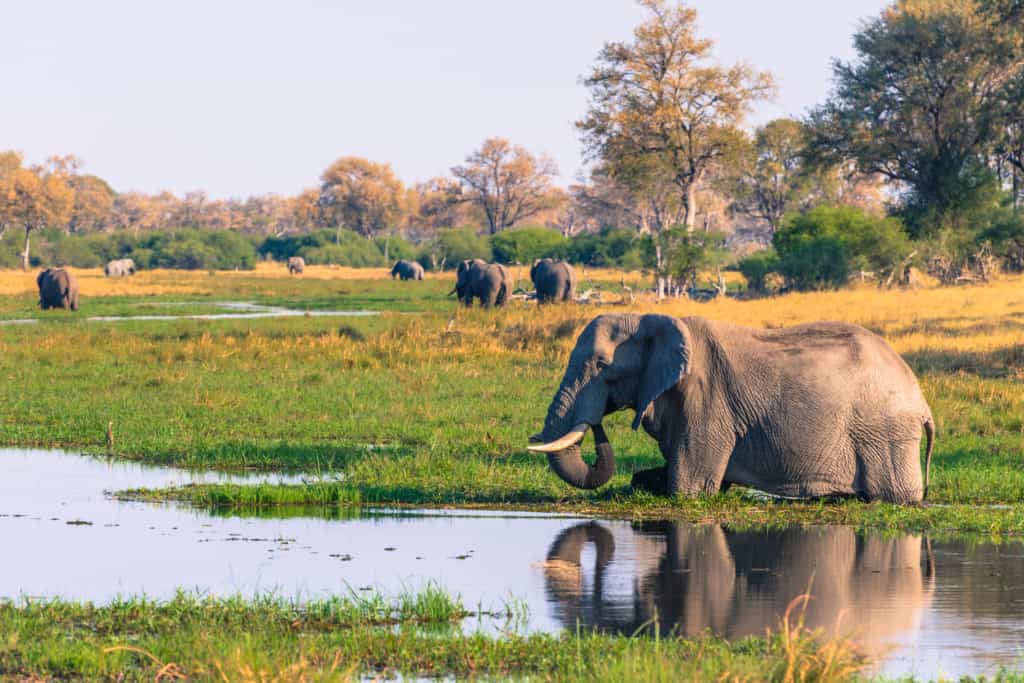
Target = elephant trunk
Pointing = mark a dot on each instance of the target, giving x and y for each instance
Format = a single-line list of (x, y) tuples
[(570, 467)]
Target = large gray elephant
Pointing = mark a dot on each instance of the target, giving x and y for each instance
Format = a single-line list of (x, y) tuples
[(57, 289), (407, 270), (822, 409), (296, 265), (120, 268), (684, 579), (555, 281), (490, 283)]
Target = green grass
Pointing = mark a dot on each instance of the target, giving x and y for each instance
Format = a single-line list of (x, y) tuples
[(435, 408), (416, 634)]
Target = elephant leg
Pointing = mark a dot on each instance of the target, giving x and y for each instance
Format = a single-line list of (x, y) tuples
[(693, 479), (699, 467), (654, 480)]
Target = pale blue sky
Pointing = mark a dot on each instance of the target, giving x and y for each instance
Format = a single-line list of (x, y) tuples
[(245, 97)]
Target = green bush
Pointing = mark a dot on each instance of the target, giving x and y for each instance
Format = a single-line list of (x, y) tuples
[(455, 245), (757, 267), (609, 248), (328, 247), (1005, 232), (684, 254), (824, 246), (397, 247), (523, 245)]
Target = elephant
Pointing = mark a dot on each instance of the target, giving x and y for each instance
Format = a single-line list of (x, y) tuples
[(57, 289), (811, 411), (407, 270), (120, 268), (296, 265), (491, 283), (555, 281), (683, 579)]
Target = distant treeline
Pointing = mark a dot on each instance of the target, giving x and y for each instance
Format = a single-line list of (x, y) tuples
[(210, 249)]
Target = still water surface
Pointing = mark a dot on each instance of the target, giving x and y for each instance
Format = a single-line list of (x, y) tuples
[(926, 608), (237, 310)]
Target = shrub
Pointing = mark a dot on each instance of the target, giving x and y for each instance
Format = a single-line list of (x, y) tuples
[(325, 247), (822, 247), (454, 245), (523, 245), (684, 254), (611, 247), (397, 247), (1005, 232), (757, 267)]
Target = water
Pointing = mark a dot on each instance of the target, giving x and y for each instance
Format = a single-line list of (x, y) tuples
[(239, 310), (921, 607)]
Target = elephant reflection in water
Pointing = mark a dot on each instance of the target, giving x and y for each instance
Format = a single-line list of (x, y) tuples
[(736, 584)]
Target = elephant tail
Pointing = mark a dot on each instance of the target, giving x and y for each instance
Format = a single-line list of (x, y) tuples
[(929, 431)]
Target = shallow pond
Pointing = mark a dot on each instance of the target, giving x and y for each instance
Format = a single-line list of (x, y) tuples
[(922, 607), (236, 310)]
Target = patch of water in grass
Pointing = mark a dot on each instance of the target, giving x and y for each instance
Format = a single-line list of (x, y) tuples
[(237, 310), (921, 607)]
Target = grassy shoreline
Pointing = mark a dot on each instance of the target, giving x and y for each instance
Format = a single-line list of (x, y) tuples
[(733, 510), (341, 639)]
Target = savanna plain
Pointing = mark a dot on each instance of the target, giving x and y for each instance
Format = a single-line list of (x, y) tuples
[(427, 404)]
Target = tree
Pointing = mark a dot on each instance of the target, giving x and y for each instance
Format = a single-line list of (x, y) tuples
[(507, 182), (773, 178), (925, 101), (93, 201), (440, 204), (660, 108), (824, 246), (35, 197), (361, 195)]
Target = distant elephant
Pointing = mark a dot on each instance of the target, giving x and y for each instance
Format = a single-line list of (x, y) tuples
[(407, 270), (120, 268), (296, 265), (57, 289), (491, 283), (684, 579), (555, 281), (822, 409)]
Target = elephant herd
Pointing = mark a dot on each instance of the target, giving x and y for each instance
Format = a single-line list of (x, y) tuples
[(491, 283)]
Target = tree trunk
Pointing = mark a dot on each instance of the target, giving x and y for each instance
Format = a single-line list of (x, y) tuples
[(24, 254), (659, 265), (387, 245), (691, 207)]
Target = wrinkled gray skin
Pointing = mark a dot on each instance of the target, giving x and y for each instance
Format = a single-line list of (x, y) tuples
[(296, 265), (120, 268), (407, 270), (57, 289), (822, 409), (555, 281), (690, 578), (490, 283)]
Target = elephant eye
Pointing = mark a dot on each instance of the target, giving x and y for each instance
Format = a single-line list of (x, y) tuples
[(602, 364)]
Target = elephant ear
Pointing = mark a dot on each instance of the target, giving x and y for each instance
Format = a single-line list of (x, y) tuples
[(667, 359)]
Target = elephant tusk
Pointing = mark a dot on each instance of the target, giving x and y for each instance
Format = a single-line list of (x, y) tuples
[(574, 436)]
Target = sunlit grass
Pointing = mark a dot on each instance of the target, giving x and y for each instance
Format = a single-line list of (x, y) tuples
[(341, 639), (435, 408)]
